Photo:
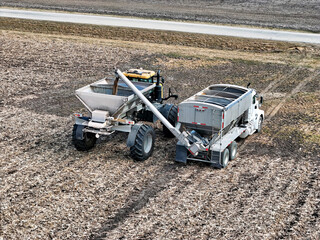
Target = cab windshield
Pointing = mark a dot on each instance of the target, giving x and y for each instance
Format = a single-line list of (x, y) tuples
[(149, 80)]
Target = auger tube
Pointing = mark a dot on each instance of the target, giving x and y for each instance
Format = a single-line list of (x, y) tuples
[(172, 129)]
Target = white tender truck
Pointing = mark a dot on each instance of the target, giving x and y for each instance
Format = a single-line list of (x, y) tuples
[(212, 119), (217, 116)]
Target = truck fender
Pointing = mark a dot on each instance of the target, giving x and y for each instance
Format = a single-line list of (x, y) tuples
[(260, 113), (132, 135)]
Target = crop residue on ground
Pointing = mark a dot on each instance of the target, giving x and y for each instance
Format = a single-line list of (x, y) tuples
[(50, 190)]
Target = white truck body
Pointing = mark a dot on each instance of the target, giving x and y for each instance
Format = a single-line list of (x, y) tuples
[(219, 114)]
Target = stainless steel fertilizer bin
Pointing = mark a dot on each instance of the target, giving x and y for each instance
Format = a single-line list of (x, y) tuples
[(214, 108), (98, 95)]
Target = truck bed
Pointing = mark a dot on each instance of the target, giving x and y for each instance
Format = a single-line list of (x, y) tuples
[(214, 108)]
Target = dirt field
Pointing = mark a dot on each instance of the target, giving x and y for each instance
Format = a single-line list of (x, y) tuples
[(294, 14), (51, 191)]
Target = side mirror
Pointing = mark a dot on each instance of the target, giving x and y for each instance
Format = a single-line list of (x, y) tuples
[(260, 101), (162, 80)]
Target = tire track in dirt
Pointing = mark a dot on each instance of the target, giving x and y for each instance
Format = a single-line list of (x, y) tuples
[(274, 110), (273, 85), (314, 221), (243, 143), (167, 173), (140, 199), (278, 81), (315, 214), (309, 185), (302, 198), (270, 114)]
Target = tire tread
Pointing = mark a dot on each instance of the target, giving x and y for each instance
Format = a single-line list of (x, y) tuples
[(81, 145), (172, 118), (137, 151)]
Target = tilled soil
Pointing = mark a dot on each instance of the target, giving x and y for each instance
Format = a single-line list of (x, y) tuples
[(294, 14), (157, 36), (51, 191)]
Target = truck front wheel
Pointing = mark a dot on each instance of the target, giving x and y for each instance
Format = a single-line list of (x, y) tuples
[(260, 124), (87, 142), (143, 143)]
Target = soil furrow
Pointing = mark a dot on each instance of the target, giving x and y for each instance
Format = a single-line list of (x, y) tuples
[(139, 199), (303, 83), (51, 190), (303, 195)]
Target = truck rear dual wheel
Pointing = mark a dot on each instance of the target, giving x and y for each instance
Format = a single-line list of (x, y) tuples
[(88, 141), (230, 153), (233, 147), (143, 144), (225, 156)]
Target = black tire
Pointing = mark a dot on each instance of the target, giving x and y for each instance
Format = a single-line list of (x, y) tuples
[(259, 129), (143, 144), (225, 156), (87, 143), (233, 147), (173, 119)]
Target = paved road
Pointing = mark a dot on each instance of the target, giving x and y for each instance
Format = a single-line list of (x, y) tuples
[(164, 25)]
